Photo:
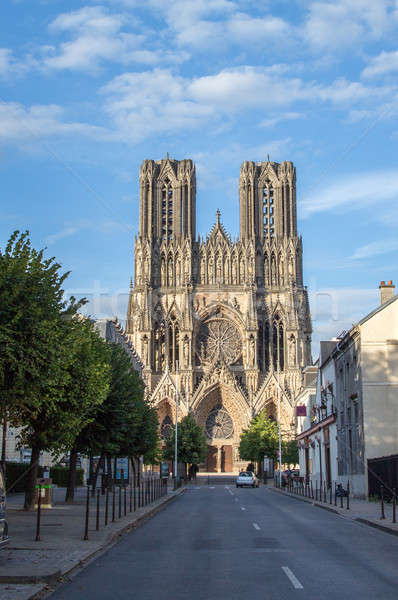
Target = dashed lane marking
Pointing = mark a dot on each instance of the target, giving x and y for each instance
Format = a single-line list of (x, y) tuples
[(295, 582), (242, 508), (256, 526)]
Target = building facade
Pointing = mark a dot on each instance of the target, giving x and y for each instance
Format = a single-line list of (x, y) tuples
[(353, 419), (217, 321)]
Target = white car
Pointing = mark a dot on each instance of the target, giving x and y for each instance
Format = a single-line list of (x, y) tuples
[(247, 478)]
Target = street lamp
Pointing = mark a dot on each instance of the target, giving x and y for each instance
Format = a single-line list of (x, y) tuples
[(176, 430)]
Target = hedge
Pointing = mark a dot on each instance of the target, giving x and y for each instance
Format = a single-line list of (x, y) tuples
[(15, 481)]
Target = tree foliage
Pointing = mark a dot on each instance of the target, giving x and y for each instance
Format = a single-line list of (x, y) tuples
[(261, 439), (290, 455), (191, 442)]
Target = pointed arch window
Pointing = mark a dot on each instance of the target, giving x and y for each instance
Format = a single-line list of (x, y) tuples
[(167, 209), (173, 342), (268, 210), (263, 347), (158, 347), (278, 338)]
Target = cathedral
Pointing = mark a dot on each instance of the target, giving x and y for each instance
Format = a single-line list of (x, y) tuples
[(219, 322)]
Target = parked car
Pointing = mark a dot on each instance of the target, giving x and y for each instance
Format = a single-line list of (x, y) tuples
[(3, 521), (247, 478)]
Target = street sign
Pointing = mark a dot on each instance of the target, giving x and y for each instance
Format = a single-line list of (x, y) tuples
[(164, 469), (122, 469)]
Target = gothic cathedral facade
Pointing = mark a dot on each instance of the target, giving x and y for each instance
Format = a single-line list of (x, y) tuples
[(218, 322)]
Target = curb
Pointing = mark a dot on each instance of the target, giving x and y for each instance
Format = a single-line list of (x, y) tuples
[(333, 510), (52, 578), (376, 526)]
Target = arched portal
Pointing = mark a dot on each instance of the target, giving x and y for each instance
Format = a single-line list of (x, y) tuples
[(222, 414)]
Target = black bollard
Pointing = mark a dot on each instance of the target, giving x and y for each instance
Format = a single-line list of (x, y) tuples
[(394, 506), (113, 503), (38, 515), (131, 497), (383, 516), (98, 511), (335, 493), (348, 495), (125, 500), (106, 505), (312, 490), (341, 498), (330, 492), (120, 501), (87, 513)]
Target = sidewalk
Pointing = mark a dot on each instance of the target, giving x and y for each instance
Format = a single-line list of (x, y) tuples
[(360, 510), (28, 567)]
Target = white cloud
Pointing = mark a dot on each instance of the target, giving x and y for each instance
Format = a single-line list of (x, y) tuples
[(337, 24), (280, 117), (107, 227), (20, 124), (354, 192), (96, 36), (376, 248), (386, 62)]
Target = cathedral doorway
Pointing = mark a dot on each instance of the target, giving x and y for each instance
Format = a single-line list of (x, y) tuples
[(211, 462), (226, 459)]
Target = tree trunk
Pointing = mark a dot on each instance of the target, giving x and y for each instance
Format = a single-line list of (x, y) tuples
[(31, 478), (70, 489), (4, 443)]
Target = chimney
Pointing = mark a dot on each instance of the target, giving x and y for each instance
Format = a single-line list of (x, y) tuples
[(386, 291)]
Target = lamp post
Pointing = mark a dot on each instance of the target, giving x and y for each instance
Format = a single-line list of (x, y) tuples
[(176, 430), (279, 430)]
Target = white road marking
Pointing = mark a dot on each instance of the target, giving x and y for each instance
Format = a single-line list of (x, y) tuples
[(242, 508), (256, 526), (227, 488), (295, 582), (212, 487)]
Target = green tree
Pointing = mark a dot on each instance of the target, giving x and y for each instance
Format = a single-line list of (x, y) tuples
[(38, 338), (89, 383), (261, 439), (192, 445), (124, 425), (290, 455)]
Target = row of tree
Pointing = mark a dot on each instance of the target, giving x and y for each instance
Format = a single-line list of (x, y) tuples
[(67, 388)]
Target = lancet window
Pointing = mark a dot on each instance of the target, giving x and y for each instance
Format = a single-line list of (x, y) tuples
[(278, 343), (173, 342), (268, 210), (167, 209), (263, 347), (158, 348)]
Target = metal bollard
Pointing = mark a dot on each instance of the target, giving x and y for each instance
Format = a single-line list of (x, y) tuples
[(312, 490), (341, 500), (335, 493), (38, 515), (113, 503), (324, 492), (330, 493), (125, 500), (348, 495), (106, 506), (394, 506), (98, 509), (383, 516), (120, 501), (87, 513), (131, 497), (135, 495)]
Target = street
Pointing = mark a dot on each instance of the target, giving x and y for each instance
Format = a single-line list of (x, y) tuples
[(218, 542)]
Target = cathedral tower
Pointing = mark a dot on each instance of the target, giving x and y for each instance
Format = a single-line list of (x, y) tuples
[(217, 320)]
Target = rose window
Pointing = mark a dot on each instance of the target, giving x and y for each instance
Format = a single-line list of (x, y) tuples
[(219, 424), (219, 339), (165, 430)]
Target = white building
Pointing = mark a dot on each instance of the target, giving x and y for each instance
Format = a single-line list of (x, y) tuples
[(355, 414)]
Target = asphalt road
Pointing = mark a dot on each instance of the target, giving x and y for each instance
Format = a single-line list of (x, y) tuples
[(242, 544)]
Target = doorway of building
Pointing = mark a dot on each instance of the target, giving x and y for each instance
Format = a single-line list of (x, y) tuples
[(211, 461), (226, 459)]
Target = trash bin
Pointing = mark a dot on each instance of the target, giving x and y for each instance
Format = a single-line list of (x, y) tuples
[(46, 492)]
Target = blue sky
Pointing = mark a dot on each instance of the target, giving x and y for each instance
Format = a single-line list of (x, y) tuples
[(90, 89)]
